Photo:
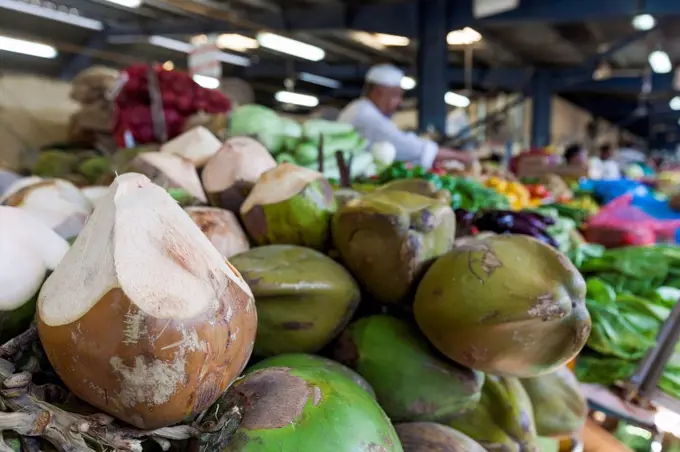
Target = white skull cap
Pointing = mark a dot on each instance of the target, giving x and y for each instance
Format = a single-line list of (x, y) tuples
[(385, 75)]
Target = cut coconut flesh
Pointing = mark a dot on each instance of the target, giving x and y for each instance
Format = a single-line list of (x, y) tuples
[(170, 171), (240, 159), (28, 249), (19, 185), (141, 241), (279, 184), (57, 202), (94, 193), (222, 228), (196, 145)]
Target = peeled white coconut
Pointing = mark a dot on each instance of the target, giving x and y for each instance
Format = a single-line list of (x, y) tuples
[(28, 251), (7, 178), (144, 318), (222, 228), (170, 171), (230, 174), (56, 202), (94, 193), (196, 145), (17, 185)]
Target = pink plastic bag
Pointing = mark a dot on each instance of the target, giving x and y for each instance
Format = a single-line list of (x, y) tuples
[(620, 215)]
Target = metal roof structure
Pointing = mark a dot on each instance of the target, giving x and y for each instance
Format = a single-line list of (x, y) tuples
[(566, 39)]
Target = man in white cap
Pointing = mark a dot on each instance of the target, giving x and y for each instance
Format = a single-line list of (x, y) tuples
[(370, 115)]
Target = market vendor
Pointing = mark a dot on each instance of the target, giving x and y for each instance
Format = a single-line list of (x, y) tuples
[(370, 115)]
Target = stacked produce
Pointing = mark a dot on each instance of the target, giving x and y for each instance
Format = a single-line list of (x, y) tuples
[(180, 99), (370, 328), (631, 291), (519, 196), (464, 193), (291, 142), (92, 89)]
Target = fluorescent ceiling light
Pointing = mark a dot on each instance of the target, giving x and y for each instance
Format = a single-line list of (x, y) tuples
[(391, 40), (236, 42), (456, 100), (319, 80), (644, 22), (463, 37), (367, 39), (675, 103), (27, 47), (52, 14), (291, 46), (660, 62), (408, 83), (206, 82), (127, 3), (304, 100), (185, 47)]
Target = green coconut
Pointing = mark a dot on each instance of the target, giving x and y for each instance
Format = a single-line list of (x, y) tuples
[(411, 383), (290, 205), (29, 251), (433, 437), (419, 187), (503, 419), (96, 168), (559, 407), (387, 238), (303, 297), (308, 409), (507, 305), (295, 360), (344, 195), (54, 164)]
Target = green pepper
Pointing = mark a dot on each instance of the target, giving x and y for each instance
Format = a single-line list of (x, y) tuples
[(419, 171)]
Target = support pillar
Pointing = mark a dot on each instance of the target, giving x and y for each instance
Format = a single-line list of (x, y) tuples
[(82, 60), (432, 65), (541, 109)]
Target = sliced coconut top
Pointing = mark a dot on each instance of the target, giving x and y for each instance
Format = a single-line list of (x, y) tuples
[(28, 249), (140, 240), (180, 171), (279, 184), (239, 159), (19, 185), (196, 145)]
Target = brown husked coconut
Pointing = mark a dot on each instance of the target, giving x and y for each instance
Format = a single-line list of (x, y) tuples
[(170, 171), (144, 318), (222, 228), (196, 145), (230, 174), (56, 202)]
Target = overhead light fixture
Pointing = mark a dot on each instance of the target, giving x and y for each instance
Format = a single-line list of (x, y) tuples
[(644, 22), (290, 46), (367, 39), (127, 3), (289, 97), (168, 66), (463, 37), (206, 82), (391, 40), (675, 103), (186, 47), (52, 14), (660, 62), (27, 47), (236, 42), (456, 100), (319, 80), (408, 83)]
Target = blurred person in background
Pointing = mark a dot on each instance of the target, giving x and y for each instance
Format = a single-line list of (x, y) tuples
[(371, 113)]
